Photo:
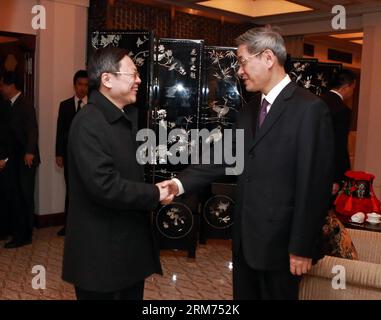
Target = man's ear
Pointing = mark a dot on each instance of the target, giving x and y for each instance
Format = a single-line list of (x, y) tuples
[(269, 57), (106, 80)]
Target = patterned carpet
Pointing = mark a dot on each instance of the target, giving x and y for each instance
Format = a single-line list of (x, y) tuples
[(207, 277)]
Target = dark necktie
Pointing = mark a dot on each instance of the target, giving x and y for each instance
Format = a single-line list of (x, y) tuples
[(79, 105), (263, 111)]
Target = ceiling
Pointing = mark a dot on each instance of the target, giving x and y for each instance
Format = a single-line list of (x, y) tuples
[(281, 13), (275, 11)]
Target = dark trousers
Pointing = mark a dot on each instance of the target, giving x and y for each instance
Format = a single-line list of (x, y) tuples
[(22, 199), (134, 292), (250, 284)]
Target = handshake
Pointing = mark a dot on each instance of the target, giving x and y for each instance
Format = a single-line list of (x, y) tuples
[(168, 191)]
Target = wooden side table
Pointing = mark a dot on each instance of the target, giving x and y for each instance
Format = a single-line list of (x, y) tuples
[(346, 220)]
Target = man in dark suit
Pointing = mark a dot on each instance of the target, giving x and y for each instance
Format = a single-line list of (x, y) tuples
[(109, 245), (343, 87), (283, 192), (23, 161), (66, 113)]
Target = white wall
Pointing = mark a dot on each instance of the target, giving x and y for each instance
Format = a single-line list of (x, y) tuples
[(61, 50), (368, 151)]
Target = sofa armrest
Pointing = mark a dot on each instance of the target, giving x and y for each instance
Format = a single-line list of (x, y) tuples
[(362, 280), (357, 272), (367, 244)]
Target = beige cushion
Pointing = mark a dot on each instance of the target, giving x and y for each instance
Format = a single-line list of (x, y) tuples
[(363, 277)]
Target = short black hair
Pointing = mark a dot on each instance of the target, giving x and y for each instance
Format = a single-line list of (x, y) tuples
[(104, 60), (11, 77), (342, 78), (79, 74)]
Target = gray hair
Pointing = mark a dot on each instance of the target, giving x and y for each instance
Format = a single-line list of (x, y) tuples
[(260, 39)]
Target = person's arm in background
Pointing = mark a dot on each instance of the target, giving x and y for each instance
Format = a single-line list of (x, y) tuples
[(341, 132), (32, 134), (60, 138)]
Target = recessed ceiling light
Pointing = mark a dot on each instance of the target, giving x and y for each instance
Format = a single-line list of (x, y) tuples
[(358, 41), (348, 35), (256, 8)]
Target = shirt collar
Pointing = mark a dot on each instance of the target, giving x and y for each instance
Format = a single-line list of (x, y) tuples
[(15, 98), (84, 100), (276, 90), (339, 94)]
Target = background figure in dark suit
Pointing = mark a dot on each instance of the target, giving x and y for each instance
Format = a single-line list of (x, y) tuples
[(343, 87), (66, 113), (283, 193), (109, 244), (5, 199), (23, 161)]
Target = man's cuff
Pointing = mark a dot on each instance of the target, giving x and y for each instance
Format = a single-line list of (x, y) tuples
[(179, 185)]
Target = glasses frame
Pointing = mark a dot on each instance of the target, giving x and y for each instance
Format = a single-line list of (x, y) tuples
[(135, 75), (242, 62)]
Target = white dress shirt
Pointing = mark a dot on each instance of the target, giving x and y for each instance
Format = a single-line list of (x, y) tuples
[(339, 94), (275, 91), (76, 99), (15, 98)]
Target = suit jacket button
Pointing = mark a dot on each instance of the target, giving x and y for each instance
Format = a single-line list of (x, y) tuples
[(247, 180), (252, 155)]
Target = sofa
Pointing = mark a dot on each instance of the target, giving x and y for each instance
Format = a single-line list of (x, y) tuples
[(362, 277)]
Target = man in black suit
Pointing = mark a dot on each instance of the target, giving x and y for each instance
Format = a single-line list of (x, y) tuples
[(343, 87), (23, 161), (283, 192), (109, 246), (66, 113)]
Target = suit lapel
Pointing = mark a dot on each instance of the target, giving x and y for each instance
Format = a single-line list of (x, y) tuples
[(73, 110), (15, 104), (74, 107), (276, 111)]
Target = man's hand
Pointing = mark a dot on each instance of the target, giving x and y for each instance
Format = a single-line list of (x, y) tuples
[(3, 163), (164, 192), (60, 162), (172, 190), (335, 188), (28, 160), (299, 265)]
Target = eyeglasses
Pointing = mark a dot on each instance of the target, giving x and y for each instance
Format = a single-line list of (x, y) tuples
[(136, 74), (243, 61)]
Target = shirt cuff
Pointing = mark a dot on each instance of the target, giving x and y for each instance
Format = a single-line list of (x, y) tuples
[(179, 185)]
